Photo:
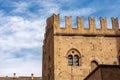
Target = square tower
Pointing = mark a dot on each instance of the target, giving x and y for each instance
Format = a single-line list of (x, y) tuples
[(72, 53)]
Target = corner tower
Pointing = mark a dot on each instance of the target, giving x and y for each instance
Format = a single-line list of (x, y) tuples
[(72, 53)]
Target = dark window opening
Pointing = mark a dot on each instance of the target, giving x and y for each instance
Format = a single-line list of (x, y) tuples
[(70, 60), (74, 57), (76, 60)]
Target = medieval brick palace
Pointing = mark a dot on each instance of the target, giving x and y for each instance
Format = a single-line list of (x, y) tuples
[(72, 53)]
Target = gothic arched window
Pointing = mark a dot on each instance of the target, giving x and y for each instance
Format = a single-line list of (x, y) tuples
[(73, 57), (94, 64), (70, 60)]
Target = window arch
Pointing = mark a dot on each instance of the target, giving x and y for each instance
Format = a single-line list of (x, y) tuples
[(74, 57), (94, 64)]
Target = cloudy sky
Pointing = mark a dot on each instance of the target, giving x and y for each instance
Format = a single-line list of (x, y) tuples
[(22, 24)]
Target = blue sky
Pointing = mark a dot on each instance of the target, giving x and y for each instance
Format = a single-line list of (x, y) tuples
[(22, 25)]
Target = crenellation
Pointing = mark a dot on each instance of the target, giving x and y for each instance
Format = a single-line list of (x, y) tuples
[(57, 21), (80, 23), (103, 23), (92, 25), (68, 22), (54, 21), (115, 24), (50, 21)]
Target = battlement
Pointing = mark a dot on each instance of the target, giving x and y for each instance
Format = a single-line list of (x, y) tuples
[(54, 22)]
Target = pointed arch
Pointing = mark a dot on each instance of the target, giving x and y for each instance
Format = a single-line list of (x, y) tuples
[(94, 64), (96, 59), (73, 51), (74, 57)]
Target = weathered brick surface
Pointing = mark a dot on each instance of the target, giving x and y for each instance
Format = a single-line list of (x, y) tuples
[(100, 45)]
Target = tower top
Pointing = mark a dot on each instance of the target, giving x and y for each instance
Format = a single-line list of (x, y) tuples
[(54, 22)]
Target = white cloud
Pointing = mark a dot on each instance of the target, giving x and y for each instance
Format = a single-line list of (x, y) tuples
[(20, 7), (52, 7), (17, 33), (48, 7), (78, 12), (21, 67)]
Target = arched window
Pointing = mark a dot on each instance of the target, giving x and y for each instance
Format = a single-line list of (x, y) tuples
[(76, 60), (70, 60), (94, 64)]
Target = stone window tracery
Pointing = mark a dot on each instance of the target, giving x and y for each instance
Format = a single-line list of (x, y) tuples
[(73, 57)]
